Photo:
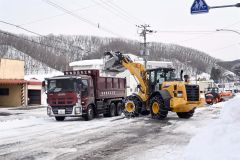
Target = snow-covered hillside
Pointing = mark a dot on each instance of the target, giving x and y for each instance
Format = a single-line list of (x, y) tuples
[(32, 66)]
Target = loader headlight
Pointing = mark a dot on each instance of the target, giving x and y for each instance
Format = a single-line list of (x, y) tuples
[(179, 94)]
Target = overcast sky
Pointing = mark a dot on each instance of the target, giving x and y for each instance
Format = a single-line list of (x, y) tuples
[(112, 18)]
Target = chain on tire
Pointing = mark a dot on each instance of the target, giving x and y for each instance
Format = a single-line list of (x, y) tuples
[(131, 107)]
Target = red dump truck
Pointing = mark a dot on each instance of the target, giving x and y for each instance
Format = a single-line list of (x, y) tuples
[(83, 93)]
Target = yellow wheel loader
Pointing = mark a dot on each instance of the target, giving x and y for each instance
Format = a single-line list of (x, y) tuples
[(159, 89)]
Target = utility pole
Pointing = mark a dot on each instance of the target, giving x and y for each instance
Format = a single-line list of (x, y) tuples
[(144, 33)]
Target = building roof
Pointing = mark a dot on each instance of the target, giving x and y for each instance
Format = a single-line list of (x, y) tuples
[(19, 81), (12, 81)]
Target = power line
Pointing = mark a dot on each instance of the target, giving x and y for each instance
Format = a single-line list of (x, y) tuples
[(109, 9), (137, 20), (185, 31), (58, 15), (123, 16), (32, 41), (225, 47), (57, 39), (96, 25)]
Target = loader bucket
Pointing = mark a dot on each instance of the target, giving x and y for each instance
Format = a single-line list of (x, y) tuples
[(112, 62)]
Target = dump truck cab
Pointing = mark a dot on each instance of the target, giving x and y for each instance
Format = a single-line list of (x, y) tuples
[(69, 95)]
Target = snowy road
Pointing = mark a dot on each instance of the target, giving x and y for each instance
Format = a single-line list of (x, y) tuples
[(30, 134)]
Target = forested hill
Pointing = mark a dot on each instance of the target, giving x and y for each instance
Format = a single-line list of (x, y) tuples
[(57, 51)]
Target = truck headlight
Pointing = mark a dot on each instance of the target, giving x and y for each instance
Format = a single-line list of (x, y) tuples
[(48, 110), (179, 94), (77, 110)]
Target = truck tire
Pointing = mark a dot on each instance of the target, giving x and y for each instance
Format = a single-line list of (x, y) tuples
[(119, 109), (134, 103), (90, 113), (157, 108), (112, 110), (60, 118), (185, 115)]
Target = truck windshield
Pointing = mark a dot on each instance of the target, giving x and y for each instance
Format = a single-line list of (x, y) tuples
[(60, 85)]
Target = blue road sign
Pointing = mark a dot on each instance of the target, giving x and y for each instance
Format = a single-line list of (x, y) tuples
[(199, 6)]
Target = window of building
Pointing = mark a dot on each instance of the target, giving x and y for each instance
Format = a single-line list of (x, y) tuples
[(4, 91)]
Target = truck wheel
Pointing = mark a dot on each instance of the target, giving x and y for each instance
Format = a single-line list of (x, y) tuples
[(112, 110), (132, 106), (119, 109), (185, 115), (59, 118), (90, 113), (157, 108)]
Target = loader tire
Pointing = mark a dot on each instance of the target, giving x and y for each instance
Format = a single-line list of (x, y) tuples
[(136, 105), (157, 108), (185, 115)]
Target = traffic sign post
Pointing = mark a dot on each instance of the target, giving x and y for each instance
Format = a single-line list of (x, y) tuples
[(200, 6)]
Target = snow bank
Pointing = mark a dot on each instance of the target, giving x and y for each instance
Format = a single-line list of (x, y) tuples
[(221, 139)]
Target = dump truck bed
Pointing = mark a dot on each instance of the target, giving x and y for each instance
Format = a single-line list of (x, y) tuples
[(104, 87), (109, 87)]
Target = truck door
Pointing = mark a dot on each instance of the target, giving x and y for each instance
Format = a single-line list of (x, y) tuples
[(87, 93)]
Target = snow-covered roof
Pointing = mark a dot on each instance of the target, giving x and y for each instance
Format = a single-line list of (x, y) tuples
[(87, 62), (41, 77)]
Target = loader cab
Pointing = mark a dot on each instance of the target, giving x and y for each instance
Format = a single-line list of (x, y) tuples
[(158, 76)]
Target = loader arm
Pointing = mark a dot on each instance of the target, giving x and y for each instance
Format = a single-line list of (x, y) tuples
[(116, 61)]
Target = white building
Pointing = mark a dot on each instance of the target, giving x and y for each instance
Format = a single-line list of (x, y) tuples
[(131, 82)]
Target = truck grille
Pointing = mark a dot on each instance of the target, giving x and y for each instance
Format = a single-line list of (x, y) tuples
[(68, 109), (62, 101), (192, 92)]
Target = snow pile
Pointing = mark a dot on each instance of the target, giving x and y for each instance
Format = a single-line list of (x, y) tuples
[(221, 139)]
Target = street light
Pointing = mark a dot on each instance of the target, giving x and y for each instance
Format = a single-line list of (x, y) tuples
[(236, 71), (230, 30)]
